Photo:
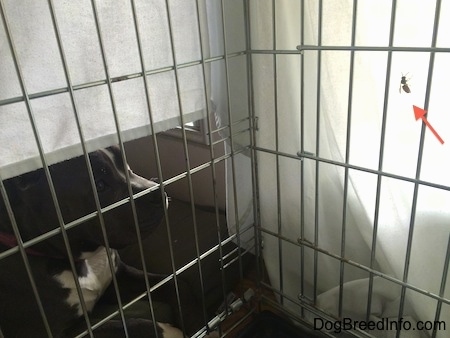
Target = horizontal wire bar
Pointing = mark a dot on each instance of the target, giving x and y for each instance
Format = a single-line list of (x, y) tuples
[(301, 242), (202, 256), (168, 278), (355, 167), (57, 91), (230, 254), (92, 215), (194, 261), (243, 131), (48, 234), (234, 123), (204, 166), (250, 249), (376, 48), (300, 49)]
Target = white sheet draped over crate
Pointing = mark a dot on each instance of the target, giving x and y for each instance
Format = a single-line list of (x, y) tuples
[(36, 46), (431, 217)]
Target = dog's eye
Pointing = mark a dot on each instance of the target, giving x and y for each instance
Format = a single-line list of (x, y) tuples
[(100, 185)]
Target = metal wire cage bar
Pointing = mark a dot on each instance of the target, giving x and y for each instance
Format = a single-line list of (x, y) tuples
[(295, 285)]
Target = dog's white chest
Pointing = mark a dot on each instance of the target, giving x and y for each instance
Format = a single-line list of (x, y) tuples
[(95, 281)]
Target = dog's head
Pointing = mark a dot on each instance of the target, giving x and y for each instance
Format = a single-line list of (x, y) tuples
[(35, 211)]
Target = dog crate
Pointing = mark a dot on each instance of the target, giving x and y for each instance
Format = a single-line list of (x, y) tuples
[(304, 145)]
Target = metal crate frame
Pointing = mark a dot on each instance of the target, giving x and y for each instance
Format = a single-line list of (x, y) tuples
[(233, 130), (303, 301)]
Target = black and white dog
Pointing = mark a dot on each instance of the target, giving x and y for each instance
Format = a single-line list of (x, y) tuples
[(35, 214)]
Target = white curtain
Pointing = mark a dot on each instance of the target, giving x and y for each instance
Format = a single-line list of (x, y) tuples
[(324, 202), (36, 48)]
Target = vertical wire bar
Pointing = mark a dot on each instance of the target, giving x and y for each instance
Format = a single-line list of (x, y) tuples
[(419, 164), (347, 159), (230, 128), (88, 164), (186, 153), (211, 156), (6, 199), (127, 176), (45, 168), (254, 158), (316, 199), (442, 288), (158, 162), (212, 164), (277, 148), (302, 150), (188, 166), (380, 158), (27, 265)]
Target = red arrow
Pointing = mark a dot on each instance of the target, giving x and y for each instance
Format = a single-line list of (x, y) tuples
[(419, 113)]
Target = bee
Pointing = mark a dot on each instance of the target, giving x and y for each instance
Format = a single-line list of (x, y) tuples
[(404, 84)]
